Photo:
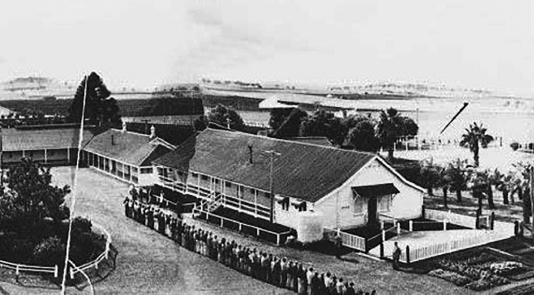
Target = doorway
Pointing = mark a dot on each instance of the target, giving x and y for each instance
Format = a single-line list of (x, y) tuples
[(371, 211)]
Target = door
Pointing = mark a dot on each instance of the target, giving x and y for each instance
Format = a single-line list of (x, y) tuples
[(371, 211)]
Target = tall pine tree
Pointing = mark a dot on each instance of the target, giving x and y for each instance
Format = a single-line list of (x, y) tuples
[(100, 108)]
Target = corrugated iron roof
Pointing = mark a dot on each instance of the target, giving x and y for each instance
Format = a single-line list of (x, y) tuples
[(15, 139), (317, 140), (305, 171), (128, 147)]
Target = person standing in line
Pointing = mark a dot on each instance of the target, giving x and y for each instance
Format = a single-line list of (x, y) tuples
[(302, 281), (142, 216), (277, 272), (309, 277), (150, 217), (290, 275), (316, 283), (264, 267), (350, 289), (396, 256), (126, 203), (284, 266), (340, 287)]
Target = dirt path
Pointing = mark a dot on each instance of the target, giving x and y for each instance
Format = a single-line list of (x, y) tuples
[(147, 263)]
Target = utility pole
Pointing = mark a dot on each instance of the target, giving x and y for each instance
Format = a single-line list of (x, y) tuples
[(272, 153), (531, 183)]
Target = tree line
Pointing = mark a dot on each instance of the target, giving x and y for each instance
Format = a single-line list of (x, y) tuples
[(359, 132)]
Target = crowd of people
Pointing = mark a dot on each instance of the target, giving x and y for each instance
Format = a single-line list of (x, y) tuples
[(281, 272)]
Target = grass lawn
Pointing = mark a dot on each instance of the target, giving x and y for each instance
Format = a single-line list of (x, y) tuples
[(469, 205)]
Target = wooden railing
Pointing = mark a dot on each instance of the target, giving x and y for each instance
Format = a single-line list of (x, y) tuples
[(18, 268), (348, 240), (241, 225), (99, 259)]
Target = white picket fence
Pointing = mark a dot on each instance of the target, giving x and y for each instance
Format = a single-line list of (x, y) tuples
[(459, 219), (482, 237), (348, 240)]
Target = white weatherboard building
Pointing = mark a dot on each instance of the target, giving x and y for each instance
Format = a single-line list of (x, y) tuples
[(326, 186)]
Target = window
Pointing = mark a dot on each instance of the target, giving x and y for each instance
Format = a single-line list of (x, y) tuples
[(146, 170), (217, 181), (384, 204), (204, 177), (228, 184), (194, 175), (252, 191), (302, 207), (358, 205)]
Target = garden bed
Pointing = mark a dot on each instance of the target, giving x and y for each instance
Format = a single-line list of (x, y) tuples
[(478, 269)]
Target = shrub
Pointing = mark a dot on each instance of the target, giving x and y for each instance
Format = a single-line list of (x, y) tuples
[(479, 285), (514, 145), (506, 268), (457, 279), (49, 252)]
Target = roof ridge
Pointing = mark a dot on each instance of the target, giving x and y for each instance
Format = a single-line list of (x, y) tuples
[(295, 142), (129, 132)]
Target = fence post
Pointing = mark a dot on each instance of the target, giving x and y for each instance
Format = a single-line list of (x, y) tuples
[(222, 222), (516, 228), (444, 224), (257, 232), (423, 211), (398, 228), (17, 272), (381, 224), (410, 225), (55, 271), (382, 250), (383, 235), (407, 254), (278, 240), (240, 224), (492, 220), (71, 274)]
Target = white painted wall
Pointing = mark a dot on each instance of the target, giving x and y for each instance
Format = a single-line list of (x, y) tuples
[(337, 208)]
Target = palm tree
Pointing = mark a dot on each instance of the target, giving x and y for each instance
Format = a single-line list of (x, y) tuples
[(494, 178), (388, 128), (475, 137), (502, 183), (445, 183), (479, 184), (458, 177), (429, 175)]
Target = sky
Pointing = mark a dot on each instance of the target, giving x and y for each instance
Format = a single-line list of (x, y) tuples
[(473, 44)]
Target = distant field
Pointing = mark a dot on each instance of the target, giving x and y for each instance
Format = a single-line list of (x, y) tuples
[(128, 107)]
